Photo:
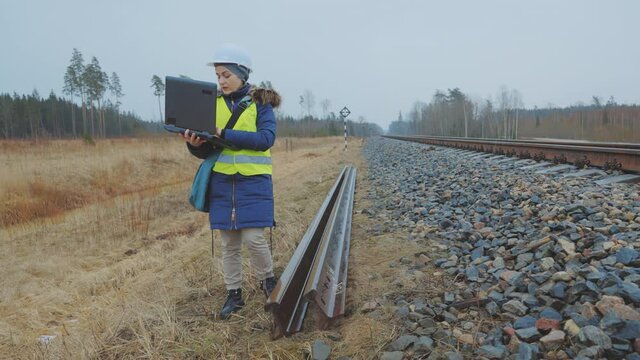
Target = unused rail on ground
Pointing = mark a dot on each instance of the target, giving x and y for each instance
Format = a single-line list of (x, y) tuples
[(317, 271), (616, 156)]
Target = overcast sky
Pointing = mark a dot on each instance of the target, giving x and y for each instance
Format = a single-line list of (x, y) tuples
[(376, 58)]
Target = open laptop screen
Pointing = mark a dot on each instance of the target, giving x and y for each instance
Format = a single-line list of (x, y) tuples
[(190, 104)]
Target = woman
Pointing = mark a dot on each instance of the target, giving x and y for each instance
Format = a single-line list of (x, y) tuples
[(240, 189)]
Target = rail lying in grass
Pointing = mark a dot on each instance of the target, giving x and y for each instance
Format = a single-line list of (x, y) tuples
[(605, 155), (317, 271)]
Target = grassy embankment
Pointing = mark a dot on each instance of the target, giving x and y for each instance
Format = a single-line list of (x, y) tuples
[(100, 248)]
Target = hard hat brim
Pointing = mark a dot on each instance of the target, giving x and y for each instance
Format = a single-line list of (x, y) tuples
[(213, 64)]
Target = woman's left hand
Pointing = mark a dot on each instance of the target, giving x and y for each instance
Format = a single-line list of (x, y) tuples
[(218, 132), (192, 138)]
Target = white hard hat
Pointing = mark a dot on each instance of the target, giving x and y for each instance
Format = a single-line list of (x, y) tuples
[(229, 53)]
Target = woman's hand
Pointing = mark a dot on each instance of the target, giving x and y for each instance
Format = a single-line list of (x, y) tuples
[(192, 138), (218, 132)]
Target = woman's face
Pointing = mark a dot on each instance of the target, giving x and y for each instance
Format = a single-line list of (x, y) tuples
[(227, 80)]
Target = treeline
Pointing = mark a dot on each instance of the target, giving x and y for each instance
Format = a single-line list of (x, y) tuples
[(454, 113), (308, 124), (32, 116), (91, 109), (97, 114), (305, 125), (90, 84)]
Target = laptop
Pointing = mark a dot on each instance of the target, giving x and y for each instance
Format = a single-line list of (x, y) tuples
[(191, 104)]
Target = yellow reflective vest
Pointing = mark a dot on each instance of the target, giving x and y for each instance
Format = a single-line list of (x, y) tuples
[(245, 162)]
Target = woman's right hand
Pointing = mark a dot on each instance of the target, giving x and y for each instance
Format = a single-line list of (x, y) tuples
[(192, 138)]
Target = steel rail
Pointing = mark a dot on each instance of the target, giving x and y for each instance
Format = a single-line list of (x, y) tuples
[(329, 229), (580, 154), (618, 145), (327, 280)]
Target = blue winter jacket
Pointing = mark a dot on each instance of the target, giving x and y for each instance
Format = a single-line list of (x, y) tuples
[(253, 195)]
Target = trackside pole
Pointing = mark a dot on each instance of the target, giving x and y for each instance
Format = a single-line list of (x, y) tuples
[(344, 113)]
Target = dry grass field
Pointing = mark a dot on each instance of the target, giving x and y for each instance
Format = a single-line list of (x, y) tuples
[(103, 257)]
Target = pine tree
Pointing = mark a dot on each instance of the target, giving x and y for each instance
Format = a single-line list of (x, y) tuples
[(70, 89), (76, 77), (158, 90), (97, 83), (116, 90)]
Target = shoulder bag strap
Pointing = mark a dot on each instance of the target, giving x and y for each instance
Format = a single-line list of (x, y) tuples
[(242, 106)]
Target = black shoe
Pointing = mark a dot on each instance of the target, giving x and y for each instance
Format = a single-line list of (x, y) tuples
[(233, 303), (267, 285)]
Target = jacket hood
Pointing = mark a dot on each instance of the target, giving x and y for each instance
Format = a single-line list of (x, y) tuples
[(264, 96)]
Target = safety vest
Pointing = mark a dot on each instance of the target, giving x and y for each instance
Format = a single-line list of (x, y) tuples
[(245, 162)]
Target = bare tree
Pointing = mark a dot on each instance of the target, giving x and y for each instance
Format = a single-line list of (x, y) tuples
[(325, 104), (439, 105), (504, 104), (486, 118), (309, 101), (579, 106), (301, 102), (466, 118), (516, 101)]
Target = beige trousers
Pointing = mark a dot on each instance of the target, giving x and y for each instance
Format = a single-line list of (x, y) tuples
[(232, 259)]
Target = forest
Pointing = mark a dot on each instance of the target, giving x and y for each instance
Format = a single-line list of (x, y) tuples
[(90, 108), (454, 113)]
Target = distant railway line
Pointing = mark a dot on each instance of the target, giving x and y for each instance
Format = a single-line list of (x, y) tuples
[(607, 156)]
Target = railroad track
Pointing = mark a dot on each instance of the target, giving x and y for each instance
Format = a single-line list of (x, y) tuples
[(317, 271), (607, 156)]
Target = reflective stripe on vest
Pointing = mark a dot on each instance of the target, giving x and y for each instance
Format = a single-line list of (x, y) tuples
[(244, 159), (245, 162)]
